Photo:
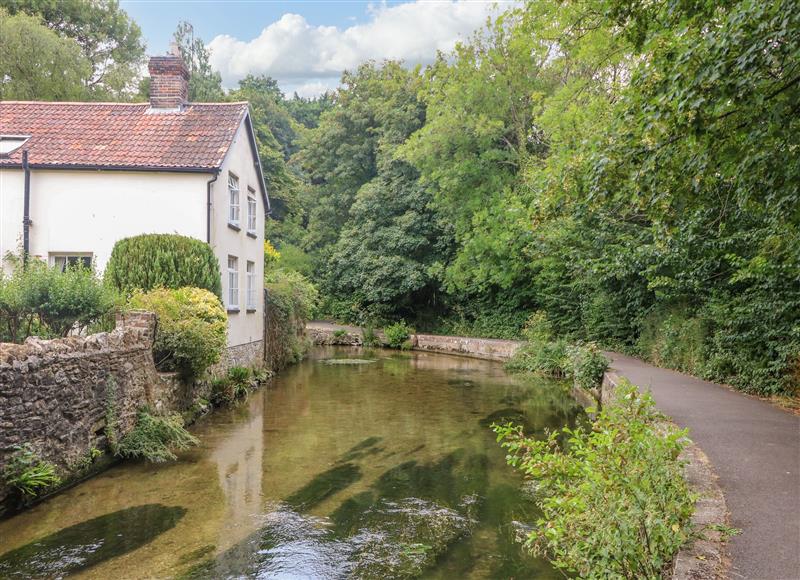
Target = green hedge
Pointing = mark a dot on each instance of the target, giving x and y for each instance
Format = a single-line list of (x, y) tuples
[(163, 260)]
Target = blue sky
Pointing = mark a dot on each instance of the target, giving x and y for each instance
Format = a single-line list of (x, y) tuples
[(307, 44)]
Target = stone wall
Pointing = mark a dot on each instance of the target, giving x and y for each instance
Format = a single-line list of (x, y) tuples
[(54, 393), (486, 348)]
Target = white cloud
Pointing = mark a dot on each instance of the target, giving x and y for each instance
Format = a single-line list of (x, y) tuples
[(301, 55)]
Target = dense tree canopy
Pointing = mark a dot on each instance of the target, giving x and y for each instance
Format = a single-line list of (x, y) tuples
[(37, 63), (628, 169), (109, 42)]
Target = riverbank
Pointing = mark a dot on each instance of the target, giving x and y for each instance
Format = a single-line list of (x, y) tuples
[(753, 447), (315, 471)]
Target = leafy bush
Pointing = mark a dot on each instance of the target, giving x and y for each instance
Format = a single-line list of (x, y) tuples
[(369, 336), (192, 328), (398, 334), (291, 299), (39, 300), (548, 358), (153, 261), (675, 341), (28, 473), (614, 501), (155, 437), (538, 328), (587, 365), (234, 385)]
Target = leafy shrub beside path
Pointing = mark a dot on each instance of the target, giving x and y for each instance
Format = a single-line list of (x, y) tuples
[(614, 500)]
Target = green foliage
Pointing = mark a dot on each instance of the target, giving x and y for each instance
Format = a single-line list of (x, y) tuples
[(370, 219), (39, 300), (155, 438), (110, 47), (234, 385), (398, 334), (36, 63), (192, 328), (613, 498), (369, 337), (674, 341), (28, 473), (291, 299), (549, 358), (151, 261), (587, 365)]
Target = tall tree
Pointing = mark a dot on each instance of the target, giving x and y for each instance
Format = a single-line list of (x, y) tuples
[(108, 39), (205, 84), (38, 64)]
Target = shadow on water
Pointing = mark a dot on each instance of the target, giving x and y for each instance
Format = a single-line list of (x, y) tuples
[(324, 485), (88, 543)]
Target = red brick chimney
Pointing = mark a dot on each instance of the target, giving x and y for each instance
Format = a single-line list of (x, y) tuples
[(169, 81)]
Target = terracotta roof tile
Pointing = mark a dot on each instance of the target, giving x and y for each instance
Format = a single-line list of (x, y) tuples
[(121, 134)]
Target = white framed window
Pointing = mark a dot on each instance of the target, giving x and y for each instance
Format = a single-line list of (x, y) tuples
[(233, 283), (62, 261), (251, 285), (251, 210), (233, 194)]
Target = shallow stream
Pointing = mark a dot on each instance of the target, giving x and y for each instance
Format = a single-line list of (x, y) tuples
[(378, 466)]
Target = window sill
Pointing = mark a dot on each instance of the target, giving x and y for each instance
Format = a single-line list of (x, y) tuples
[(233, 310), (252, 234), (234, 226), (251, 310)]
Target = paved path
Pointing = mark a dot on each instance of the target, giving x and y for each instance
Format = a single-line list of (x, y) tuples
[(754, 448)]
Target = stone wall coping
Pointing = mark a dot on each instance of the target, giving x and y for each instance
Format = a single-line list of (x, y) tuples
[(129, 330)]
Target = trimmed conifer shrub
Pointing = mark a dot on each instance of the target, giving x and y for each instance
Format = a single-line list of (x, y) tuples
[(163, 260)]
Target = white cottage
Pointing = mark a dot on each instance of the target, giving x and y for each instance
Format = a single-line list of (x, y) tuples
[(77, 177)]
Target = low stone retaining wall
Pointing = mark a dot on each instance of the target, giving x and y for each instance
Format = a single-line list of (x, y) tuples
[(485, 348), (55, 394)]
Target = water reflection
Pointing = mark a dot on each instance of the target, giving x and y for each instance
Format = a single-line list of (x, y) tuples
[(385, 469)]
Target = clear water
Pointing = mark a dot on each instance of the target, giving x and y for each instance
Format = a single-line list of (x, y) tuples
[(379, 469)]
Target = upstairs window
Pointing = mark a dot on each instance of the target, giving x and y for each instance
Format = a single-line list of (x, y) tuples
[(233, 283), (233, 193), (251, 210), (251, 285)]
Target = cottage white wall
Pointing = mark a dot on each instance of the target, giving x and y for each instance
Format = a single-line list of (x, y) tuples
[(243, 326), (11, 205), (88, 211)]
